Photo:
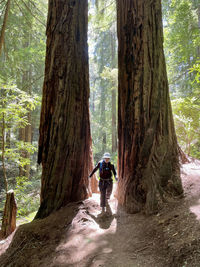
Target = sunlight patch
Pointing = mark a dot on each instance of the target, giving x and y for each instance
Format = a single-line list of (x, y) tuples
[(196, 210)]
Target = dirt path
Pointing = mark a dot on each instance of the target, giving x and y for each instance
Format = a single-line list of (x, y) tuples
[(78, 236), (115, 239)]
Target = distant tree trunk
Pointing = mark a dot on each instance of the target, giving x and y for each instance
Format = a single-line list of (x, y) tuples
[(3, 153), (148, 152), (93, 99), (22, 135), (8, 133), (22, 131), (114, 98), (198, 14), (114, 121), (28, 128), (3, 29), (25, 134), (28, 139), (9, 215), (64, 127), (103, 117)]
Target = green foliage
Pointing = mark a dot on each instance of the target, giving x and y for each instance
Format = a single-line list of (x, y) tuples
[(187, 123), (196, 70), (27, 196), (110, 75), (14, 106), (21, 78), (14, 155), (182, 38), (182, 50)]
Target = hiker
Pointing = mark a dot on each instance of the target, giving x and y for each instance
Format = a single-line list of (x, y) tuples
[(106, 183)]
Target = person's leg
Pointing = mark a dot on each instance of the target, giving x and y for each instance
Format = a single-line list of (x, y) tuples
[(102, 189), (109, 189)]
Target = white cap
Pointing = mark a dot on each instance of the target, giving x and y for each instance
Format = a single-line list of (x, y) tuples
[(106, 155)]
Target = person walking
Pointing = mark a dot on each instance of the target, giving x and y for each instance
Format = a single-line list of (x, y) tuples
[(105, 183)]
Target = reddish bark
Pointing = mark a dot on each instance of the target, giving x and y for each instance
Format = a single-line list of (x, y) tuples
[(9, 215), (148, 152), (64, 128)]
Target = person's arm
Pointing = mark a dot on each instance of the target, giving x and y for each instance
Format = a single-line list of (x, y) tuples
[(95, 169), (114, 172)]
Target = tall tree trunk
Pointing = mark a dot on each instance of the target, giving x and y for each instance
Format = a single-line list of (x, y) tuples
[(148, 152), (103, 117), (64, 141), (114, 97), (3, 29)]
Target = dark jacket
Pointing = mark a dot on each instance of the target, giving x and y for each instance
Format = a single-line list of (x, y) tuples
[(106, 170)]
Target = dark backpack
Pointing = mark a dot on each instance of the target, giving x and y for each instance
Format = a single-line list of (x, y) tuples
[(102, 167)]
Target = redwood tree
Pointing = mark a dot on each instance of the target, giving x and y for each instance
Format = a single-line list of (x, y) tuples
[(64, 141), (148, 153)]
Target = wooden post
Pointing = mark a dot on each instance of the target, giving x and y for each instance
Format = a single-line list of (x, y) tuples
[(9, 216)]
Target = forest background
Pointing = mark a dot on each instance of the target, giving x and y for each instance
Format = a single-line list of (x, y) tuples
[(22, 55)]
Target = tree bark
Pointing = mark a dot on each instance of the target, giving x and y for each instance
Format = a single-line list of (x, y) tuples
[(3, 29), (64, 141), (148, 153), (9, 216), (114, 97)]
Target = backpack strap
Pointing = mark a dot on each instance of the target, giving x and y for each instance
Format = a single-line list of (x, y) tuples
[(101, 166)]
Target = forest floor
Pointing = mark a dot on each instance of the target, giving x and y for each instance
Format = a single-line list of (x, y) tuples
[(78, 236)]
